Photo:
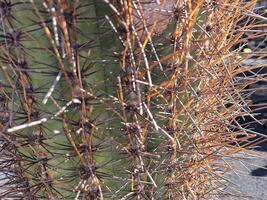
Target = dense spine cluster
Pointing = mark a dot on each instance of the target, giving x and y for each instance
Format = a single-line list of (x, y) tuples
[(129, 99)]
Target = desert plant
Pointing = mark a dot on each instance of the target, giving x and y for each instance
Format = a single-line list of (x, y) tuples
[(121, 99)]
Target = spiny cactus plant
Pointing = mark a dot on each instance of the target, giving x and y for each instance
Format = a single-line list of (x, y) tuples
[(129, 99)]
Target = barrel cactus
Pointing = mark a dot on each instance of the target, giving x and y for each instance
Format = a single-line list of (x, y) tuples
[(126, 99)]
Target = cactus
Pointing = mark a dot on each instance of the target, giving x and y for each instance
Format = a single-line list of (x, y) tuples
[(126, 99)]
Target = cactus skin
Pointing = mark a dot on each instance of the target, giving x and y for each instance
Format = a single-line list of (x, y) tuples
[(119, 99)]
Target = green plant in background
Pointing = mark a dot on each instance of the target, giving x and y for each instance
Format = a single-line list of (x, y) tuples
[(119, 99)]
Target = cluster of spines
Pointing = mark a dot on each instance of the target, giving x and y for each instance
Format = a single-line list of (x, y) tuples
[(167, 113), (30, 154)]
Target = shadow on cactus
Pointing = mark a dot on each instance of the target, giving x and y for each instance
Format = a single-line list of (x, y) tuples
[(120, 99)]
